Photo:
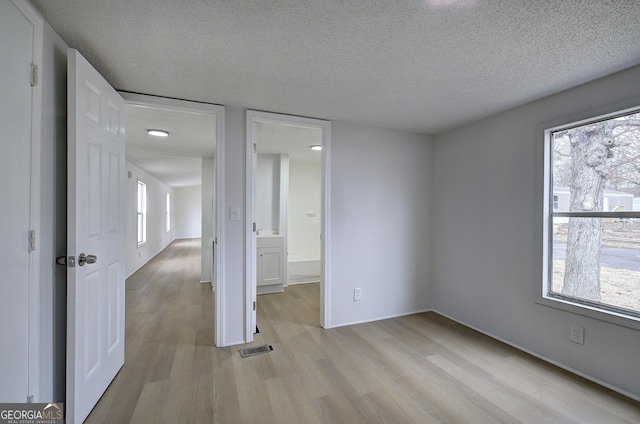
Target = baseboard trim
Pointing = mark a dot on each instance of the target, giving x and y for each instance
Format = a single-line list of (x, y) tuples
[(147, 261), (403, 314), (302, 282)]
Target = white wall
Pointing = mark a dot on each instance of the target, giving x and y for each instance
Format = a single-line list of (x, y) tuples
[(188, 212), (268, 193), (232, 290), (305, 211), (157, 236), (380, 214), (208, 218), (487, 236)]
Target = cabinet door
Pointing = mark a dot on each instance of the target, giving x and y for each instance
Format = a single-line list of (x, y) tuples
[(270, 269)]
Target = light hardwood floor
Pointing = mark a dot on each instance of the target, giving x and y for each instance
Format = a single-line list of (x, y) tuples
[(416, 369)]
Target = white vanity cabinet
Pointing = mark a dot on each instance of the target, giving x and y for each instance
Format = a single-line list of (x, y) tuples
[(272, 262)]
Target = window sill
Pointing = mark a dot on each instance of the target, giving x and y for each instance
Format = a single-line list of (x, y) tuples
[(590, 312)]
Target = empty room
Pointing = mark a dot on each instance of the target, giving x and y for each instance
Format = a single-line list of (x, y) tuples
[(474, 211)]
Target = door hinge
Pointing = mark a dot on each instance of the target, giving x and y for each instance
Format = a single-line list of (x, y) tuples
[(34, 75), (255, 148), (32, 240), (254, 305), (30, 399), (254, 227)]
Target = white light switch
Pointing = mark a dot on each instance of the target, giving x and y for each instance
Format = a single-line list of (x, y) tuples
[(357, 294), (234, 213)]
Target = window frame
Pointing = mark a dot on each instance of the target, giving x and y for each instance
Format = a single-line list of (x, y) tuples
[(543, 286), (141, 213)]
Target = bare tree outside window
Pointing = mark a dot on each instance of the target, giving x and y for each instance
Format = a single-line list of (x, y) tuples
[(596, 211)]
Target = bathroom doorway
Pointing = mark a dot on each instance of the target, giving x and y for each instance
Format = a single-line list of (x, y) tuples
[(288, 186)]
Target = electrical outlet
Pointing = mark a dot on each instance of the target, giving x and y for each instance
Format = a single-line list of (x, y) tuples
[(577, 334), (357, 294)]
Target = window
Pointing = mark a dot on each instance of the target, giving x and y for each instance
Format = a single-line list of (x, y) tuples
[(167, 212), (592, 214), (142, 212)]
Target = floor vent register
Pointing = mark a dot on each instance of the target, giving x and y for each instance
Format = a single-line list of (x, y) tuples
[(255, 350)]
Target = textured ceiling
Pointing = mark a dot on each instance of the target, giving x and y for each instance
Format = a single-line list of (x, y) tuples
[(416, 65)]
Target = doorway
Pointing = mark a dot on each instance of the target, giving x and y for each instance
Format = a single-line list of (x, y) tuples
[(195, 145), (273, 224)]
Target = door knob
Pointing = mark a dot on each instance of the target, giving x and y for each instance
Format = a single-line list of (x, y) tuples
[(87, 259)]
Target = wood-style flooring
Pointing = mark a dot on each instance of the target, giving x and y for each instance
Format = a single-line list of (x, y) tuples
[(416, 369)]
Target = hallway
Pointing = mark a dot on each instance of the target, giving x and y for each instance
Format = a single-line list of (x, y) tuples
[(167, 375)]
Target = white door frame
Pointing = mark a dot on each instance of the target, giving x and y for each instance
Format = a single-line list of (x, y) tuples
[(34, 336), (218, 110), (252, 118)]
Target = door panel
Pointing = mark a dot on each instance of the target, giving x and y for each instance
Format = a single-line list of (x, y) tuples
[(270, 266), (95, 303)]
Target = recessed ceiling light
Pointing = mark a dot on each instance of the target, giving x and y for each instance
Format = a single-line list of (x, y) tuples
[(158, 133), (316, 147)]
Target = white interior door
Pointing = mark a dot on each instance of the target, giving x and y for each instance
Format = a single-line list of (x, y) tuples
[(16, 50), (95, 291)]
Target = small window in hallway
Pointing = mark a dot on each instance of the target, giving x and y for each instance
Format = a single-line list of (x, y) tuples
[(142, 213), (167, 212)]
